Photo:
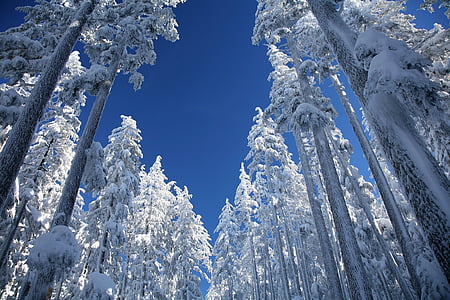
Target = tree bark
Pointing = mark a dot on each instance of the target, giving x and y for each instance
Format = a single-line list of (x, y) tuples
[(351, 255)]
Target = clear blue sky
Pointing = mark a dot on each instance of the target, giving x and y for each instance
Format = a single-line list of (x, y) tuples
[(196, 105)]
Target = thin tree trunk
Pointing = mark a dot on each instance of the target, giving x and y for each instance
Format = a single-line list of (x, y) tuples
[(307, 270), (69, 194), (305, 275), (284, 277), (12, 232), (357, 278), (424, 182), (389, 202), (324, 240), (270, 272), (16, 147), (393, 266), (101, 256), (351, 255), (289, 246), (254, 270)]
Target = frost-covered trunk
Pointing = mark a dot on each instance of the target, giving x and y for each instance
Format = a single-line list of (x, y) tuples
[(389, 202), (21, 134), (428, 196), (269, 274), (72, 184), (102, 251), (392, 265), (351, 255), (6, 243), (290, 248), (324, 240), (254, 269), (282, 261), (426, 190), (305, 273)]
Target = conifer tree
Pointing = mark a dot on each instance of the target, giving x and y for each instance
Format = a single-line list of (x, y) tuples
[(224, 281), (279, 190), (245, 209), (150, 240), (41, 177), (108, 213), (191, 249)]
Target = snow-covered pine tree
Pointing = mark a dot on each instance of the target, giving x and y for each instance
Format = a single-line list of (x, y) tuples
[(432, 281), (12, 100), (245, 208), (303, 112), (45, 167), (380, 260), (223, 278), (280, 193), (191, 251), (108, 213), (150, 240), (25, 51), (274, 21), (387, 17), (390, 198), (281, 96)]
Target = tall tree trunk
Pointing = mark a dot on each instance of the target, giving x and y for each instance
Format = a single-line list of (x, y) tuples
[(389, 202), (424, 182), (72, 184), (324, 240), (351, 254), (16, 147), (64, 210), (278, 241), (270, 273), (289, 245), (6, 243), (254, 270), (306, 261), (392, 265)]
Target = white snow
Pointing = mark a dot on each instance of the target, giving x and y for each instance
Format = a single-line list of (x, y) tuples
[(100, 287), (308, 114), (55, 249)]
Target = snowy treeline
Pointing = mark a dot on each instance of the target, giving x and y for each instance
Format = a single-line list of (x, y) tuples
[(139, 239), (307, 229)]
